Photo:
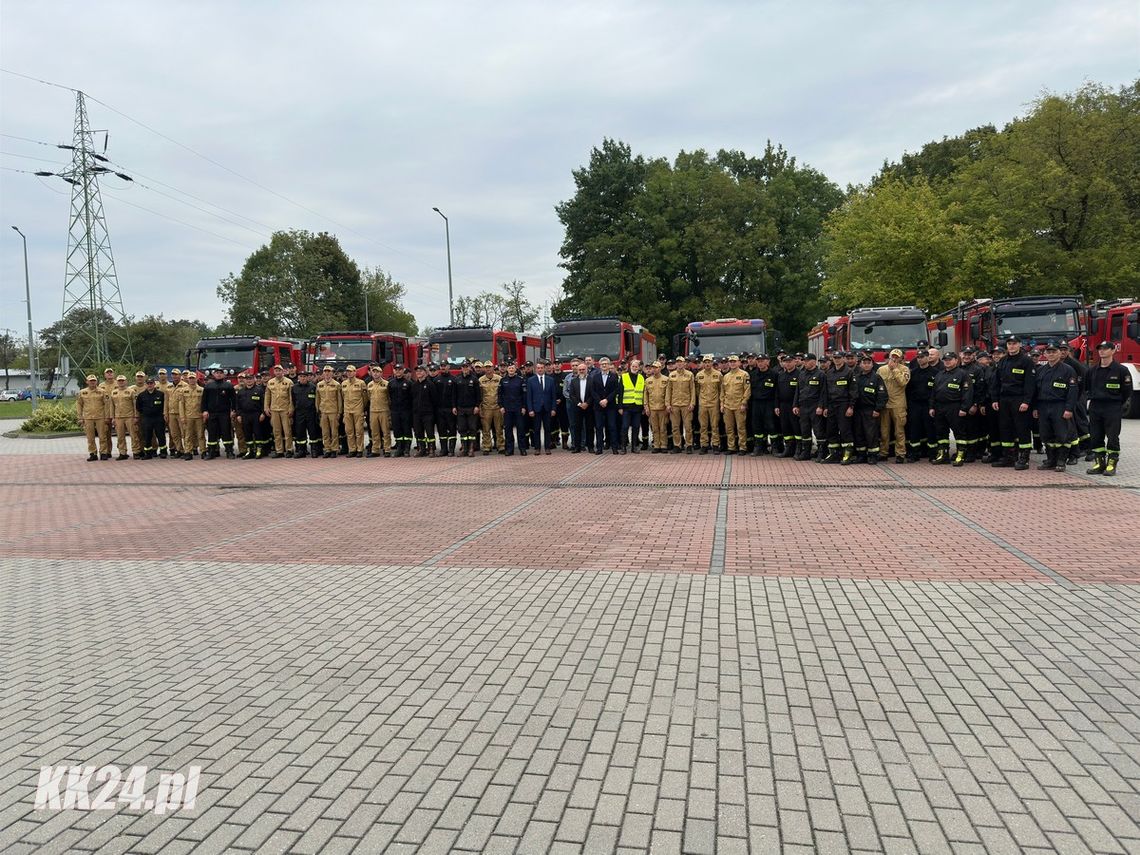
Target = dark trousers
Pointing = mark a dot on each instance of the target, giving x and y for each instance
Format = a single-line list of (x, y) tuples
[(582, 428), (562, 421), (946, 419), (789, 423), (762, 418), (1081, 423), (467, 424), (1056, 432), (423, 424), (606, 427), (446, 423), (811, 423), (1014, 426), (153, 433), (916, 427), (1104, 427), (513, 431), (540, 429), (630, 425), (219, 432), (256, 432), (401, 427), (866, 429), (839, 433), (306, 431)]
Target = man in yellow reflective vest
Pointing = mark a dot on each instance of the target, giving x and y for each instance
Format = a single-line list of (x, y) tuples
[(631, 403)]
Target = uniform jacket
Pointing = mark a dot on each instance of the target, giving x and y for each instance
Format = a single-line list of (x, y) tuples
[(895, 381), (870, 391), (330, 398), (190, 402), (218, 397), (468, 393), (92, 404), (682, 388), (840, 387), (304, 398), (812, 389), (250, 401), (489, 391), (379, 400), (1057, 385), (400, 395), (786, 384), (1109, 387), (150, 405), (277, 397), (354, 394), (1015, 379), (952, 389), (512, 393), (425, 397), (735, 389), (763, 384)]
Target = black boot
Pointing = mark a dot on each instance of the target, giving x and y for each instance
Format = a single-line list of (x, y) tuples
[(1098, 467), (1110, 463), (1006, 459), (1022, 462), (1049, 462)]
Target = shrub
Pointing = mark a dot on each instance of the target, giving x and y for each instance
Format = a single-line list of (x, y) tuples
[(52, 418)]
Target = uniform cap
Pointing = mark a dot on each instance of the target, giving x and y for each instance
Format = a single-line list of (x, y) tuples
[(1051, 346), (92, 377), (121, 377), (350, 368), (174, 371), (949, 355), (140, 374), (763, 356), (1106, 345), (326, 368), (866, 357), (706, 358), (733, 358), (149, 381), (810, 356), (215, 367), (163, 370), (967, 349), (1009, 338), (897, 352), (1063, 345), (108, 370), (984, 353)]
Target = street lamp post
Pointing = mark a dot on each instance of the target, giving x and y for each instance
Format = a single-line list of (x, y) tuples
[(450, 293), (31, 341)]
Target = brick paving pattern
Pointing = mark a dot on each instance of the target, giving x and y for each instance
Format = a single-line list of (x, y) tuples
[(450, 655)]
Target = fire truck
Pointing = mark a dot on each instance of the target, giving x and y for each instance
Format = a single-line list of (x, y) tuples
[(878, 329), (723, 337), (597, 337), (452, 346), (1118, 321), (983, 322), (531, 348), (236, 354), (361, 348)]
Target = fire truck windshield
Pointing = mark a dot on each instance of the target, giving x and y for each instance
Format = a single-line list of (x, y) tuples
[(226, 357), (343, 350), (1059, 323), (595, 344), (725, 344), (457, 352), (888, 333)]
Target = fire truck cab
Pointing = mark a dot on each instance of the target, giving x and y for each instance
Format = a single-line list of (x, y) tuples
[(452, 346), (610, 337), (722, 337), (340, 348), (983, 322), (1117, 321), (237, 354), (878, 329)]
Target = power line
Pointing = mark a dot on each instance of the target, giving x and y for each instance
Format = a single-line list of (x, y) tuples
[(180, 222), (31, 157), (29, 139)]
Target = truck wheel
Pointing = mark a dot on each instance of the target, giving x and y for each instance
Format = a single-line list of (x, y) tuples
[(1131, 409)]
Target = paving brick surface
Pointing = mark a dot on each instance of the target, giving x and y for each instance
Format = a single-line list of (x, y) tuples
[(450, 655)]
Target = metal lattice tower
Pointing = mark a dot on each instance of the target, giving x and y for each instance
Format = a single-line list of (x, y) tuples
[(94, 323)]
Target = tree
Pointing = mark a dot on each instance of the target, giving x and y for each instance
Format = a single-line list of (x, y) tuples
[(157, 341), (939, 160), (9, 350), (72, 336), (518, 313), (385, 303)]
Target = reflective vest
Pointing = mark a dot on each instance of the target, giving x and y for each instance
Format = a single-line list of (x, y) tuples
[(632, 394)]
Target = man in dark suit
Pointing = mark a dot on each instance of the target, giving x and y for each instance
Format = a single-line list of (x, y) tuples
[(578, 408), (603, 393), (541, 406)]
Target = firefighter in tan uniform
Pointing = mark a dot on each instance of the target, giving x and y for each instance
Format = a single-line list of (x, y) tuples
[(379, 414), (91, 408), (123, 416), (354, 394), (735, 393), (708, 405), (329, 408), (682, 398), (490, 416), (165, 442), (173, 421), (108, 386), (279, 408), (189, 409), (657, 405), (136, 428)]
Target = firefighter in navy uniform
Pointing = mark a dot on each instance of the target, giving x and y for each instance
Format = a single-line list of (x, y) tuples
[(1109, 387), (984, 398), (218, 408), (1013, 389), (950, 400), (787, 379), (250, 404), (445, 417), (425, 404), (1056, 405), (1081, 413), (870, 399), (150, 405), (808, 406), (839, 410), (918, 404), (974, 424), (400, 400), (466, 396), (766, 436), (306, 423)]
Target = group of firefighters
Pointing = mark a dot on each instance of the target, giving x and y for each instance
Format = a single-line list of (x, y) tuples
[(843, 409)]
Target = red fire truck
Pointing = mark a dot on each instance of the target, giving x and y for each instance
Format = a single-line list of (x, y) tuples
[(452, 346), (340, 348), (597, 337), (879, 329), (984, 322), (236, 354), (1118, 321), (723, 337)]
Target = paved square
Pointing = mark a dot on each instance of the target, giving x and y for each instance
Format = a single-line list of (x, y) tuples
[(573, 653)]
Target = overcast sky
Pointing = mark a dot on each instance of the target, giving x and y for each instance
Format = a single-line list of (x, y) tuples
[(358, 118)]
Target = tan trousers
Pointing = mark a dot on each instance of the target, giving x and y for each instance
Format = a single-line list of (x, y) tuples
[(354, 431), (709, 420), (492, 421), (122, 431), (380, 423), (896, 418), (682, 422), (193, 437), (93, 428), (282, 422), (734, 428), (330, 432), (175, 435), (239, 433), (657, 424)]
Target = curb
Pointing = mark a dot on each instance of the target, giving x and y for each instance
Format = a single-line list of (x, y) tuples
[(19, 434)]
